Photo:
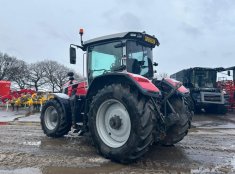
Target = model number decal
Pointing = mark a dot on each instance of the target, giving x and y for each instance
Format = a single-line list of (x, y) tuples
[(150, 40)]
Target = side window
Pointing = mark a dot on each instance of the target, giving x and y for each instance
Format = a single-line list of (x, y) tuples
[(142, 55), (101, 62), (103, 58)]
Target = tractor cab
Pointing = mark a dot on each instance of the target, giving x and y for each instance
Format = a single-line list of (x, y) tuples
[(127, 51), (202, 78)]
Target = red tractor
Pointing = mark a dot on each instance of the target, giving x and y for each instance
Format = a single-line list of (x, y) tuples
[(120, 104)]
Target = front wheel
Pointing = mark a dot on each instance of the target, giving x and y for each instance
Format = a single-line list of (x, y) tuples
[(53, 119), (121, 123)]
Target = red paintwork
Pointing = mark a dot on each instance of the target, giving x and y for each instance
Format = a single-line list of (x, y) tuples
[(68, 83), (82, 88), (70, 86), (7, 94), (27, 91), (229, 87), (5, 88), (174, 83), (144, 82), (4, 123), (70, 90)]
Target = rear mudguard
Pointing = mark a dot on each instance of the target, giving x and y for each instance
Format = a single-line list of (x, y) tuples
[(142, 84), (168, 84)]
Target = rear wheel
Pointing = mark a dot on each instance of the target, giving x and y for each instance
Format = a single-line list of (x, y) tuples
[(179, 130), (53, 119), (121, 123)]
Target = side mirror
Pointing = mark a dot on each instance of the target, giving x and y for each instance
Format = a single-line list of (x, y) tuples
[(229, 73), (72, 51)]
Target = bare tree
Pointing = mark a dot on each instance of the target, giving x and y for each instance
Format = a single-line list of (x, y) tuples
[(21, 74), (40, 74), (61, 76), (7, 66), (36, 75), (50, 68)]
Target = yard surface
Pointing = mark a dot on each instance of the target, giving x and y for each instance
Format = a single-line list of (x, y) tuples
[(209, 147)]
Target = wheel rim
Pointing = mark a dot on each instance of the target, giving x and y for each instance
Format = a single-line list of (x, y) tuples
[(113, 123), (51, 118)]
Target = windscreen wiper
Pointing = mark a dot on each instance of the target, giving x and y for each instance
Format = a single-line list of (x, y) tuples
[(105, 70)]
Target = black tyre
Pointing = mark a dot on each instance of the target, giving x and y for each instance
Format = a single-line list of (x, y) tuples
[(53, 120), (121, 123), (216, 109), (221, 109), (179, 130), (210, 109)]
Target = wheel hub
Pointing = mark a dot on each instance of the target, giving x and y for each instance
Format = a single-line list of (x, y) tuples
[(115, 122), (51, 118)]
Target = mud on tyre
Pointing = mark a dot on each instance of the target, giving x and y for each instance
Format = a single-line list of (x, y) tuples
[(53, 119), (179, 130), (121, 123)]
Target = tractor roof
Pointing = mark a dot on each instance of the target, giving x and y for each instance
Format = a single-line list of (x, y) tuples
[(123, 35), (107, 37)]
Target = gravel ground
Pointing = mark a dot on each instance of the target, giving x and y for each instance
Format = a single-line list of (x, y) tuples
[(208, 148)]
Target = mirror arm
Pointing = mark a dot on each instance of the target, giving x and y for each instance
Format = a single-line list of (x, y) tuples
[(81, 47)]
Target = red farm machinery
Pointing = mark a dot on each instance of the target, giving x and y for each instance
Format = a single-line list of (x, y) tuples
[(5, 89), (228, 86), (6, 94)]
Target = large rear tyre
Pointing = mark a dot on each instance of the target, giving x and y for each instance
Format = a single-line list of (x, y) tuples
[(179, 130), (53, 120), (121, 123)]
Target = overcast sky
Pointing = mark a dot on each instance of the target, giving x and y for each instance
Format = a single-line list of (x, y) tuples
[(191, 32)]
